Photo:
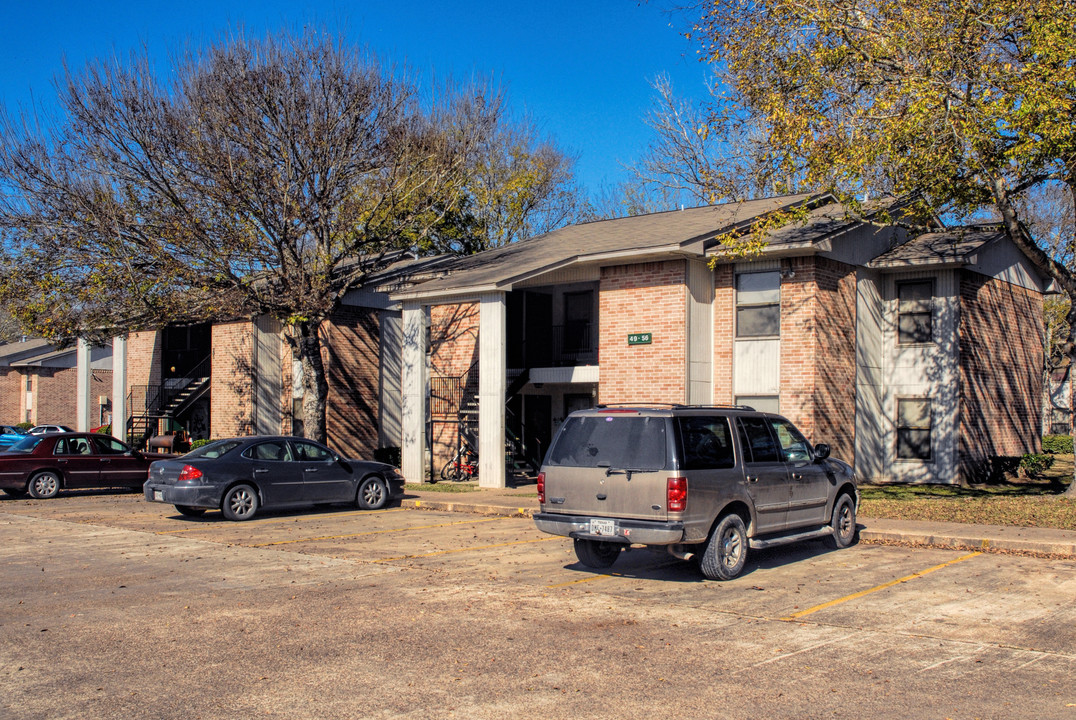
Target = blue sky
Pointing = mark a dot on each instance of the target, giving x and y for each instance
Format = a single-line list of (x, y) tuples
[(580, 69)]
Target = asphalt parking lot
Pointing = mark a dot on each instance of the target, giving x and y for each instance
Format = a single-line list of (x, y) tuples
[(117, 608)]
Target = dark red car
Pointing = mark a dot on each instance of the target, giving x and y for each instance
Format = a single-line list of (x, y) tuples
[(42, 465)]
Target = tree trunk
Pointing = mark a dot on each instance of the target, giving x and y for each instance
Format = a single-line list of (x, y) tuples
[(315, 384), (1071, 492)]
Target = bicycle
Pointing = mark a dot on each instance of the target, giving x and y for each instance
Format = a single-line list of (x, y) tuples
[(462, 466)]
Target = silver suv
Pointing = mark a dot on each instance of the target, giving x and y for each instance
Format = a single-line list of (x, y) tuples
[(707, 483)]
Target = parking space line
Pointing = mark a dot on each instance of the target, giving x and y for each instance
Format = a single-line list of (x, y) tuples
[(466, 549), (272, 521), (372, 532), (883, 586)]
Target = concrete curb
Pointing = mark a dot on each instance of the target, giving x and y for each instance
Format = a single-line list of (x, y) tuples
[(955, 536)]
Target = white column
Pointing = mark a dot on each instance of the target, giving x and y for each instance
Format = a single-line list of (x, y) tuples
[(82, 385), (413, 385), (119, 388), (492, 384)]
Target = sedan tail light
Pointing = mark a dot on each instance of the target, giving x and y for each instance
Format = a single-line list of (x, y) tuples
[(676, 494), (189, 473)]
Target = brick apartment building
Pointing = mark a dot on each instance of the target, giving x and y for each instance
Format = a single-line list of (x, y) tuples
[(39, 384), (916, 360)]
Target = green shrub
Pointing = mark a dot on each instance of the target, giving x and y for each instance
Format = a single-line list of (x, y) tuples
[(1057, 444), (199, 443), (24, 425), (1033, 466)]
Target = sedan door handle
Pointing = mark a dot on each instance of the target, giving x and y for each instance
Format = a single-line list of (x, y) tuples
[(797, 476), (311, 469), (752, 478), (261, 470)]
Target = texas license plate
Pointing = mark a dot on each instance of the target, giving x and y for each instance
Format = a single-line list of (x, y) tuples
[(158, 495), (602, 527)]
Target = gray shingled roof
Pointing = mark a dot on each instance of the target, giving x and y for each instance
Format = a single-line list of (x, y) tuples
[(949, 247), (682, 232)]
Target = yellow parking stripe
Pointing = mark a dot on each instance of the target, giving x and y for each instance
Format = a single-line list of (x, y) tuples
[(258, 522), (466, 549), (883, 586), (372, 532)]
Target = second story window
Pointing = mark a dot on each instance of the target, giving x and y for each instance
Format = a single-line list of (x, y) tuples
[(915, 312), (758, 305)]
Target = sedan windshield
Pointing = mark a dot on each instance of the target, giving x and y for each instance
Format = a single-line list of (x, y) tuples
[(26, 445)]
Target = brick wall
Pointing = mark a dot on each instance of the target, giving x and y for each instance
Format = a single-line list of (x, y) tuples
[(453, 351), (646, 297), (12, 396), (1000, 372), (351, 341), (231, 406), (818, 352), (143, 358), (724, 332), (56, 396)]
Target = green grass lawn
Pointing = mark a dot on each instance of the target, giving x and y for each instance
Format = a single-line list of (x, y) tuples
[(1024, 502)]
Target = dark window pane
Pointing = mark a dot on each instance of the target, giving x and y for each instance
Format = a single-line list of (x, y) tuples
[(758, 321), (611, 441), (913, 444), (914, 328), (707, 443), (763, 447)]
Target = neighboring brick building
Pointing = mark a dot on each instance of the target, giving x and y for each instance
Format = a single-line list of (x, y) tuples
[(916, 360), (39, 384)]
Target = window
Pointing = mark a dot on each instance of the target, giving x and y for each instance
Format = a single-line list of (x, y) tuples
[(758, 304), (310, 451), (109, 446), (762, 403), (273, 450), (756, 438), (636, 443), (73, 446), (578, 311), (914, 312), (913, 429), (707, 443), (794, 446)]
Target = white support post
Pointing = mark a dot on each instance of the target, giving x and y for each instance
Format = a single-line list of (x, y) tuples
[(413, 384), (492, 384), (82, 386), (119, 388)]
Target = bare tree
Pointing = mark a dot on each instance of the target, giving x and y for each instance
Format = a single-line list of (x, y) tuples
[(261, 177)]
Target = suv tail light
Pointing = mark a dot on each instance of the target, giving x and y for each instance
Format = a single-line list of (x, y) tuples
[(676, 494), (189, 473), (541, 488)]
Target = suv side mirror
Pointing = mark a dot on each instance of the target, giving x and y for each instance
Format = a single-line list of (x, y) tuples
[(821, 451)]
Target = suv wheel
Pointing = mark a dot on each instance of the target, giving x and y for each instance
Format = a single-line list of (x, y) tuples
[(843, 523), (595, 553), (726, 552)]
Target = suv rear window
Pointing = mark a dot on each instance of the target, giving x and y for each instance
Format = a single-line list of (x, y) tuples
[(632, 442)]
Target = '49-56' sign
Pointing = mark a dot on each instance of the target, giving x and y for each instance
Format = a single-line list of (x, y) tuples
[(640, 338)]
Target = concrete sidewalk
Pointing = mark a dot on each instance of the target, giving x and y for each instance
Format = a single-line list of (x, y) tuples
[(522, 500)]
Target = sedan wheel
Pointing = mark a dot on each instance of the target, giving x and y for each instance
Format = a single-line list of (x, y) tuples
[(373, 494), (44, 485), (240, 503)]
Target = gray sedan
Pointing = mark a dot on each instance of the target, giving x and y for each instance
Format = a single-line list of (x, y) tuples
[(242, 475)]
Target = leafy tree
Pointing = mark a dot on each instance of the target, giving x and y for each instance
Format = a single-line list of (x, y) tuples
[(254, 177), (964, 106)]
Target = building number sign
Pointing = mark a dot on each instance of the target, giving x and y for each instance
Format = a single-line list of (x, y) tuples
[(640, 338)]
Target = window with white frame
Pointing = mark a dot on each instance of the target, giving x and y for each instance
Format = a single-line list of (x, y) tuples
[(914, 429), (758, 304), (915, 305)]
